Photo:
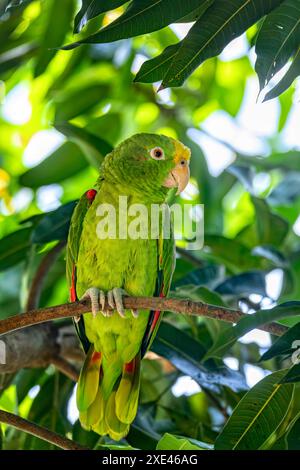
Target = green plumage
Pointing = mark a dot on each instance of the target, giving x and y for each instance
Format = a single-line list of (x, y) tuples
[(107, 394)]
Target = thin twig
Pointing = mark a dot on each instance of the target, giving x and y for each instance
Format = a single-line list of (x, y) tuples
[(65, 367), (174, 305), (41, 274), (38, 431)]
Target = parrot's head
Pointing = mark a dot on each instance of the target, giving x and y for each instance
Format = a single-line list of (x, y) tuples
[(149, 165)]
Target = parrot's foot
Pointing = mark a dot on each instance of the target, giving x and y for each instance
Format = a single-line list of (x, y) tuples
[(114, 300)]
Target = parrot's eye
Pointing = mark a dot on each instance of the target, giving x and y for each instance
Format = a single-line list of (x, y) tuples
[(157, 153)]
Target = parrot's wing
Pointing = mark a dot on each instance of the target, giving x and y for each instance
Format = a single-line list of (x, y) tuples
[(73, 245), (165, 269)]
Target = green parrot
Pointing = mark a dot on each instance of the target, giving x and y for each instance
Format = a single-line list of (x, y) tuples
[(143, 169)]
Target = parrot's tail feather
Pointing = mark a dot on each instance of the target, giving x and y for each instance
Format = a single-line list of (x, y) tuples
[(127, 394), (89, 379), (113, 414)]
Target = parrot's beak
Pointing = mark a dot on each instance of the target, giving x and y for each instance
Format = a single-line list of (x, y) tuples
[(180, 175)]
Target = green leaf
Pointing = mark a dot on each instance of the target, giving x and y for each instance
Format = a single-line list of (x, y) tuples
[(224, 21), (58, 21), (287, 191), (287, 80), (171, 442), (14, 248), (80, 101), (257, 415), (271, 228), (195, 15), (153, 70), (92, 8), (293, 436), (16, 56), (63, 163), (278, 40), (185, 353), (248, 323), (141, 17), (293, 374), (17, 4), (94, 147), (54, 225), (232, 253), (284, 344), (252, 282)]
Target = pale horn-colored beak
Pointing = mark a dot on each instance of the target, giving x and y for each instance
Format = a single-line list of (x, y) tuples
[(180, 175)]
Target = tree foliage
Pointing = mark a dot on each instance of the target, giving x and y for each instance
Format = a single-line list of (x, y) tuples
[(62, 111)]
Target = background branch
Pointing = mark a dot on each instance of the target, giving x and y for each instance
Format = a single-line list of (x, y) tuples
[(38, 431)]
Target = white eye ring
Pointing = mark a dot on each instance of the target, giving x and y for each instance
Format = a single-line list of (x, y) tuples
[(157, 153)]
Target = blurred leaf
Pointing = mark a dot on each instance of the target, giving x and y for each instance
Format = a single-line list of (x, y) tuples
[(284, 344), (58, 22), (232, 253), (278, 40), (79, 101), (243, 284), (185, 354), (249, 322), (271, 228), (171, 442), (92, 8), (54, 225), (14, 248), (287, 191), (257, 416), (16, 56), (64, 162), (93, 146), (141, 17)]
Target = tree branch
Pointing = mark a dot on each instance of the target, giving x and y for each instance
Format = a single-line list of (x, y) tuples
[(38, 431), (174, 305), (41, 274)]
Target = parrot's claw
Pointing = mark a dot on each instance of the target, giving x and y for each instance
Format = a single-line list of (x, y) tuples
[(114, 300), (96, 298)]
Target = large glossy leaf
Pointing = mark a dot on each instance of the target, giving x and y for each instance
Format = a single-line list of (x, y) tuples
[(92, 8), (249, 322), (63, 163), (257, 416), (171, 442), (14, 248), (58, 22), (287, 80), (293, 436), (224, 21), (94, 147), (54, 225), (278, 40), (293, 374), (185, 354), (141, 17), (284, 344)]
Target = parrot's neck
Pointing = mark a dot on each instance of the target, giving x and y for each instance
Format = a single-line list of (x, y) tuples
[(113, 190)]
